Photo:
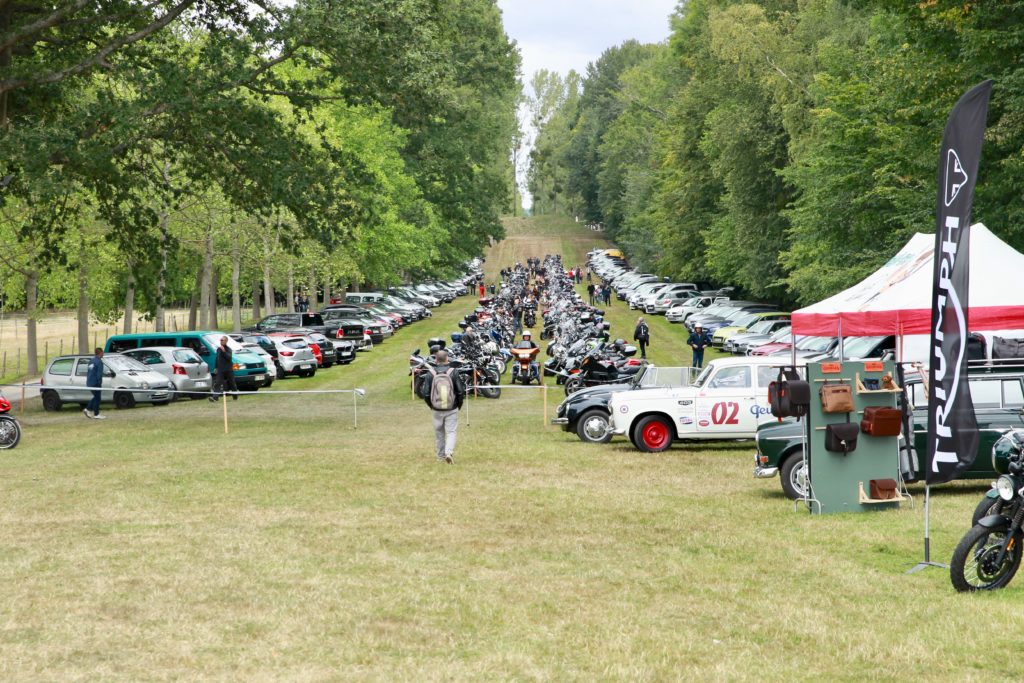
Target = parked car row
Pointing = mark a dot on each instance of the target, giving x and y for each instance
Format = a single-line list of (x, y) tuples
[(158, 367)]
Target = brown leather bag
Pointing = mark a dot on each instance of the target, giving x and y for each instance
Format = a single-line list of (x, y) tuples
[(882, 421), (836, 398), (882, 489)]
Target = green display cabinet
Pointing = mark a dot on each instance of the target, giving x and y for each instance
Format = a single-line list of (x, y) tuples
[(841, 482)]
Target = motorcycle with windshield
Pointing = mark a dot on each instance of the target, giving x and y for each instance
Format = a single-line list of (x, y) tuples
[(989, 555)]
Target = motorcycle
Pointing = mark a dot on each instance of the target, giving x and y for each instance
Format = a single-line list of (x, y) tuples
[(524, 369), (989, 554), (478, 377), (604, 365), (10, 429)]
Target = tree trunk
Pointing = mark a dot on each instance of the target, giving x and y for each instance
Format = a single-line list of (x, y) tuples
[(83, 301), (195, 310), (31, 283), (160, 324), (312, 285), (236, 293), (129, 301), (205, 275), (268, 288), (214, 286), (327, 294), (291, 289), (256, 301)]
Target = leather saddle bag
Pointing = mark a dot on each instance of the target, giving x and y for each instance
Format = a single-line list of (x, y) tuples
[(841, 437), (882, 489), (836, 398), (882, 421), (789, 396)]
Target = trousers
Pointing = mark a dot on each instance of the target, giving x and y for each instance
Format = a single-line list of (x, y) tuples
[(94, 403), (698, 359), (642, 343), (446, 422)]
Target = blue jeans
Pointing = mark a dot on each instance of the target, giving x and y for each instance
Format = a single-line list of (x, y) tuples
[(698, 358), (94, 403)]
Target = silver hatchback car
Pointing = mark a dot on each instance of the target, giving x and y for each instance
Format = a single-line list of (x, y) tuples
[(181, 366), (294, 357), (126, 382)]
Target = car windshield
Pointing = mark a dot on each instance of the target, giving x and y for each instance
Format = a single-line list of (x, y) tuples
[(746, 320), (186, 356), (761, 327), (819, 344), (214, 341), (860, 347), (703, 377), (124, 363), (311, 319), (782, 336), (295, 343)]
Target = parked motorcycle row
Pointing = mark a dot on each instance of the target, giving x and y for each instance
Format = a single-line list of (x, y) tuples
[(497, 341)]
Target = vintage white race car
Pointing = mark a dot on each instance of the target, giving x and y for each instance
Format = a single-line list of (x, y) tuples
[(727, 401)]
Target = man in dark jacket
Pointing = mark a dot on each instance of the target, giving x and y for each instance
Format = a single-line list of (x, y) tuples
[(642, 336), (225, 378), (698, 341), (446, 422), (94, 378)]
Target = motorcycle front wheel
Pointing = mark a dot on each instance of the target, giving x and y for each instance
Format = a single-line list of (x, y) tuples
[(974, 566), (488, 389), (10, 432), (572, 385)]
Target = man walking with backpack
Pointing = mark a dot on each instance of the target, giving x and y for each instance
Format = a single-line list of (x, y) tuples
[(442, 389)]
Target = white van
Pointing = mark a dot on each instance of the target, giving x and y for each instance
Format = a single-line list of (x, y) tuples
[(363, 297)]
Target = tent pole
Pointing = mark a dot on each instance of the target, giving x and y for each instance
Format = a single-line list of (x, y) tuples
[(841, 354)]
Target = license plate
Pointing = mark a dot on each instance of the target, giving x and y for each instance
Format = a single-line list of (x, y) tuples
[(305, 367), (201, 384), (260, 378)]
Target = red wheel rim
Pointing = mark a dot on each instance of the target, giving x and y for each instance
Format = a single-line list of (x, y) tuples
[(655, 435)]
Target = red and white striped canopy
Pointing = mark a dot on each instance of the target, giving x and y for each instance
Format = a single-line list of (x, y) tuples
[(896, 299)]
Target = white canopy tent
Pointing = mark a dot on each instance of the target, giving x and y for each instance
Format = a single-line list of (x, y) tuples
[(896, 299)]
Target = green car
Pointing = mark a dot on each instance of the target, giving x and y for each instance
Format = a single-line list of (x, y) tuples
[(998, 395)]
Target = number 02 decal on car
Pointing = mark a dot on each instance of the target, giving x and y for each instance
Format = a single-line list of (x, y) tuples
[(725, 413)]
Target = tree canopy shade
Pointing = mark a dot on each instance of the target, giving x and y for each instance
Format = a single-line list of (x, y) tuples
[(788, 147), (380, 131)]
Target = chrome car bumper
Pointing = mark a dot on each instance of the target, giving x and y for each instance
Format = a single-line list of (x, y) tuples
[(765, 472), (559, 420)]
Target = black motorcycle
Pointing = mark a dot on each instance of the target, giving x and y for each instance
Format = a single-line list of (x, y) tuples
[(989, 555), (605, 364)]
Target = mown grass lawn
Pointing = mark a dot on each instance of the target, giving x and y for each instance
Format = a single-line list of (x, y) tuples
[(152, 546)]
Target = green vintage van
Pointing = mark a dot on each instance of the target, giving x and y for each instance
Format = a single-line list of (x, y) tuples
[(250, 369)]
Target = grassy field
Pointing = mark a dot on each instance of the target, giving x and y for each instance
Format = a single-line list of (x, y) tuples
[(152, 546)]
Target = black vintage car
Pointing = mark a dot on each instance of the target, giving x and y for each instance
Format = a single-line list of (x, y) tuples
[(585, 412), (998, 395)]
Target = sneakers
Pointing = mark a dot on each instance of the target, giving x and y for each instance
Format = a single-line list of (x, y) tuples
[(100, 417), (87, 413), (449, 459)]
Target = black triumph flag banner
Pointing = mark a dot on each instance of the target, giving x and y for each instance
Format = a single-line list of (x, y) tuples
[(952, 427)]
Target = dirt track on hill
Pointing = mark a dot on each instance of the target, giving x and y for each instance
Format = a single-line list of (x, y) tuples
[(539, 236)]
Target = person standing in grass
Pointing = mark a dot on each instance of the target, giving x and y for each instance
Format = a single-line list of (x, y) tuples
[(225, 379), (442, 389), (94, 378), (698, 341), (642, 336), (590, 292)]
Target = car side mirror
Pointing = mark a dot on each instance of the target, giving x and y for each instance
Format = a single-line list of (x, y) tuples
[(109, 373)]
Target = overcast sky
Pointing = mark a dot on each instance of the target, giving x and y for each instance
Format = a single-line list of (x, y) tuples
[(560, 35), (568, 34)]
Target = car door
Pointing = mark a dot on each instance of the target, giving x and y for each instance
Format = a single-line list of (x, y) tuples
[(77, 380), (724, 403)]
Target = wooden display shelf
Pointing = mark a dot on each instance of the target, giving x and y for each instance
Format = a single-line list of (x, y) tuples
[(861, 390), (865, 500)]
